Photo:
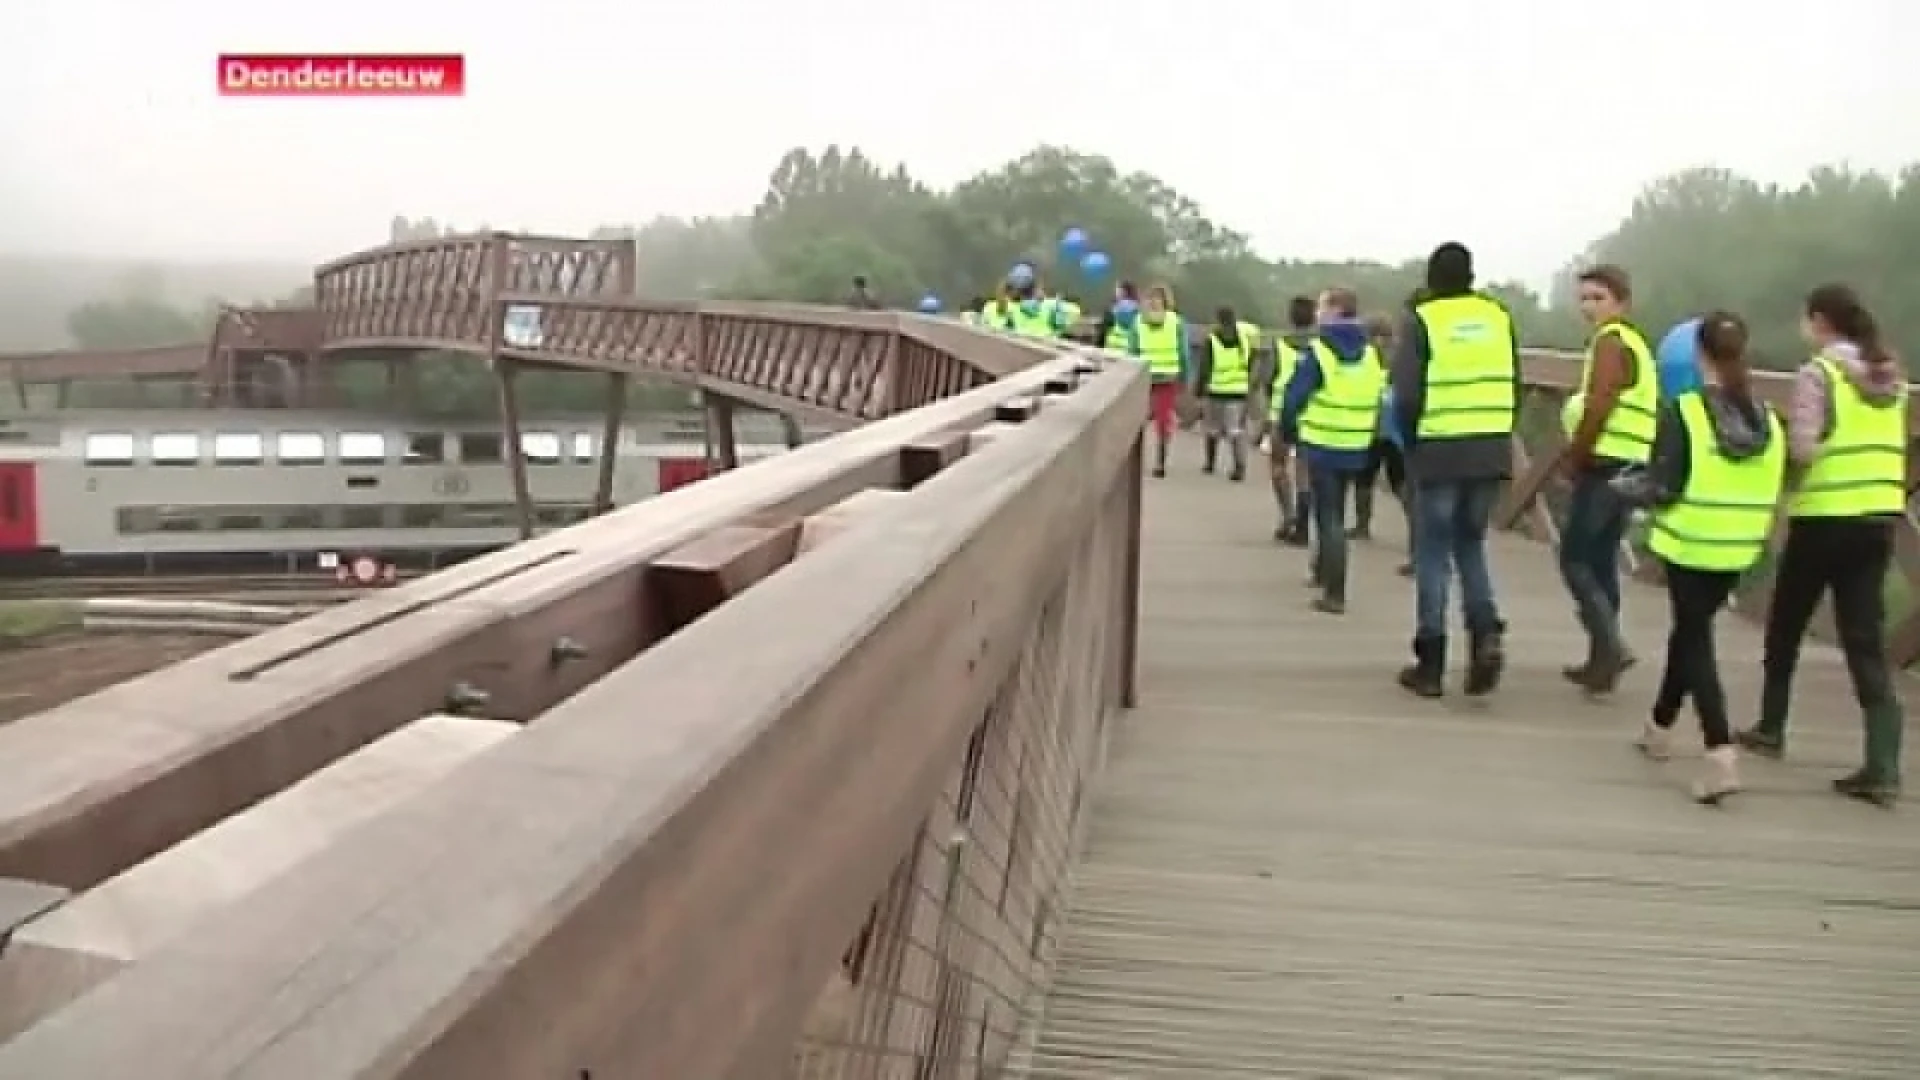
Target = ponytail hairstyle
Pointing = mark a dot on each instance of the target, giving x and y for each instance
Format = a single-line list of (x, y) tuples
[(1839, 307), (1722, 338)]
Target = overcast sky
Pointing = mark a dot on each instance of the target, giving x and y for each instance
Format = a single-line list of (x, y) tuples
[(1363, 128)]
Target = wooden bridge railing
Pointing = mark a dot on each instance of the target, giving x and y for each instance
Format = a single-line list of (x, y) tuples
[(800, 774)]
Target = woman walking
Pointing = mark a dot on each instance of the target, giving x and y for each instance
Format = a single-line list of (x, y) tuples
[(1848, 437), (1718, 467)]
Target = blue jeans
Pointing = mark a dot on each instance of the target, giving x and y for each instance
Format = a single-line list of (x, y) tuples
[(1450, 523), (1590, 556), (1329, 487)]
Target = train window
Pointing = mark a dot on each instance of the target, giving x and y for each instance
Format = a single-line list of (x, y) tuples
[(583, 445), (239, 448), (362, 447), (556, 516), (482, 446), (300, 448), (134, 519), (363, 517), (423, 516), (302, 517), (174, 448), (425, 448), (482, 516), (239, 518), (108, 448), (177, 519), (540, 447)]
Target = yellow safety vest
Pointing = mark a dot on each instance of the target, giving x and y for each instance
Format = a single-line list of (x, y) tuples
[(1722, 519), (1232, 367), (1344, 413), (1118, 339), (1861, 469), (1286, 361), (1628, 436), (1470, 375), (1160, 346), (1036, 323)]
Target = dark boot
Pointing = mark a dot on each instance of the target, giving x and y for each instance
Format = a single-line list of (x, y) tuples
[(1302, 532), (1362, 514), (1878, 781), (1487, 662), (1602, 670), (1426, 676), (1768, 738), (1212, 453), (1160, 459), (1406, 570)]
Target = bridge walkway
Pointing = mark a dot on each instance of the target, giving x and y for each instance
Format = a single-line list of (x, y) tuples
[(1297, 870)]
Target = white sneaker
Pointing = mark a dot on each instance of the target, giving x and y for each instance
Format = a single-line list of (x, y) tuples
[(1655, 741), (1719, 775)]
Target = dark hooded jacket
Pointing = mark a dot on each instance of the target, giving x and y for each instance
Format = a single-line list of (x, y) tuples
[(1348, 339), (1740, 431)]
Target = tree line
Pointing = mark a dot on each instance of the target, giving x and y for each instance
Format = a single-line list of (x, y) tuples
[(1693, 240)]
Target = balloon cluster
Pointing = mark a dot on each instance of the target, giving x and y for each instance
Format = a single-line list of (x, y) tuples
[(1077, 247)]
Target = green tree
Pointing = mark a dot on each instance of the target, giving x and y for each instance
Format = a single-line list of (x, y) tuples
[(1711, 238), (134, 322)]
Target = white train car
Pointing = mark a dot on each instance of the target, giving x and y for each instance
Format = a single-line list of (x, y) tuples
[(288, 490)]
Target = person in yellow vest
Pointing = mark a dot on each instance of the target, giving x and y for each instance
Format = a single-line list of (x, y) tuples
[(1070, 312), (1382, 457), (993, 310), (1848, 441), (1611, 429), (1332, 411), (1222, 379), (1119, 325), (1161, 335), (1456, 387), (1027, 310), (1285, 469), (1717, 466)]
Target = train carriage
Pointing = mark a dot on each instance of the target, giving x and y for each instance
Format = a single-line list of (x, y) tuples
[(273, 490)]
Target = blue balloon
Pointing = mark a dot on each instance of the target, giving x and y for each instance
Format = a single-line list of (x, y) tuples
[(1095, 263), (929, 304), (1678, 359), (1073, 241)]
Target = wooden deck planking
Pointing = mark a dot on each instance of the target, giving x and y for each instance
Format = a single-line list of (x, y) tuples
[(1297, 870)]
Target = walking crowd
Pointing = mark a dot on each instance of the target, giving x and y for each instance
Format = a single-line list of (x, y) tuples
[(1431, 398)]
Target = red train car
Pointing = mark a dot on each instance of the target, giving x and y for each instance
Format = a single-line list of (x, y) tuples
[(680, 471), (19, 508)]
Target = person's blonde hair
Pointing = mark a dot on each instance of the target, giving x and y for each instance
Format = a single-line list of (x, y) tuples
[(1164, 292)]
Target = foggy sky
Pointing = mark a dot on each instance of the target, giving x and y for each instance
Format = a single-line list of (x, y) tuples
[(1354, 128)]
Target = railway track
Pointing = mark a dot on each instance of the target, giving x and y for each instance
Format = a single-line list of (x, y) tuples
[(268, 586)]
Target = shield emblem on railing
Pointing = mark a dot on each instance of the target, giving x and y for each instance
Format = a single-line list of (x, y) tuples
[(521, 327)]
